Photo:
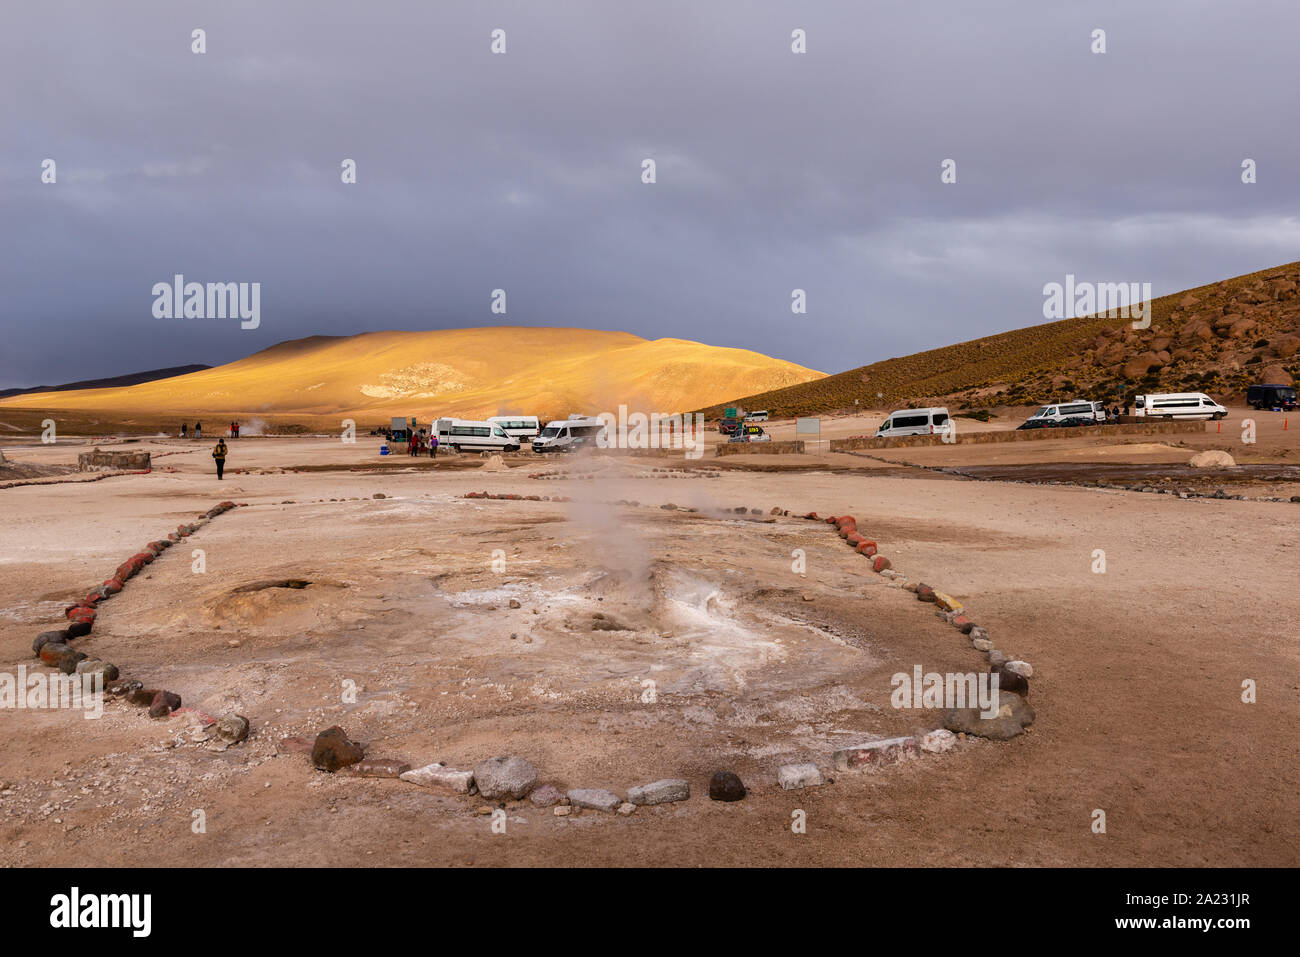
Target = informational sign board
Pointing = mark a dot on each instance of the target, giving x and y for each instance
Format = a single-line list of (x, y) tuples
[(809, 426)]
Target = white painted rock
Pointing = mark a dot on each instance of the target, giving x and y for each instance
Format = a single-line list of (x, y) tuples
[(1022, 668), (440, 776), (794, 776), (936, 742), (982, 644)]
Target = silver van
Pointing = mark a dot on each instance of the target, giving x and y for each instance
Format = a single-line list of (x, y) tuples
[(914, 422)]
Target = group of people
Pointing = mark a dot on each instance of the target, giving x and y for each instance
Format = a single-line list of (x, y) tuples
[(198, 430), (419, 443)]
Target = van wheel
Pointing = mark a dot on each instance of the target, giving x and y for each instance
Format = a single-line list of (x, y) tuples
[(1218, 415), (512, 448), (456, 449)]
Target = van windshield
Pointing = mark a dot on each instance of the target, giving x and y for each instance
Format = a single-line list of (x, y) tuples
[(550, 432), (1045, 410)]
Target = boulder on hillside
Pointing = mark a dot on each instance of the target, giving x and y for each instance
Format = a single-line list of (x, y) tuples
[(1283, 348), (1276, 375), (1139, 366)]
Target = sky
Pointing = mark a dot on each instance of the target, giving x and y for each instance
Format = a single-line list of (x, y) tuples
[(523, 170)]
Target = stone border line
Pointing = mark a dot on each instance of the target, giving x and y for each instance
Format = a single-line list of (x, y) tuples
[(513, 778), (53, 648), (54, 480)]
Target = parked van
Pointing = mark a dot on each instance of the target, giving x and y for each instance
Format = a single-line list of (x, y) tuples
[(1053, 415), (464, 435), (759, 416), (914, 422), (567, 435), (522, 427), (1178, 405), (1271, 396)]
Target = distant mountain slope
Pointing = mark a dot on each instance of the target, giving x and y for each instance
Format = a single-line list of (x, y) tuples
[(1218, 339), (463, 372), (133, 378)]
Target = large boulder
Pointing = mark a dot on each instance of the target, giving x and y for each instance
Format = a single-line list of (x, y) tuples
[(1276, 375), (508, 778), (1211, 459)]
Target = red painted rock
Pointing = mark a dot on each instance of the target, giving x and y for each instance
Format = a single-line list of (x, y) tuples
[(163, 704), (880, 563), (866, 547), (57, 637), (853, 538), (925, 593), (145, 558), (812, 515), (51, 652), (114, 585), (92, 599), (963, 624)]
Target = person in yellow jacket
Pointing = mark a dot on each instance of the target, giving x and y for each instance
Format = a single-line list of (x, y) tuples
[(219, 455)]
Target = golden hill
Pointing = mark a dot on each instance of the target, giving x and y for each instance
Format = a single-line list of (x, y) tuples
[(1217, 339), (469, 373)]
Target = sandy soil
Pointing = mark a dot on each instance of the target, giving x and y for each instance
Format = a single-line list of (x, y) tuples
[(1137, 672)]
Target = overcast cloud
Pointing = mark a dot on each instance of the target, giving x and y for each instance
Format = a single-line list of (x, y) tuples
[(523, 171)]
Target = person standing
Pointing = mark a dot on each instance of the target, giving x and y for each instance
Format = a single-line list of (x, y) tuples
[(185, 430), (198, 431), (433, 445), (219, 456)]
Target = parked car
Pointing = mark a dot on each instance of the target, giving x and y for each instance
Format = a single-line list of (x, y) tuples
[(750, 433), (729, 426), (1271, 397)]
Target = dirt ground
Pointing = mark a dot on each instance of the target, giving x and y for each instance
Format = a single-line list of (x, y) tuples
[(1137, 681)]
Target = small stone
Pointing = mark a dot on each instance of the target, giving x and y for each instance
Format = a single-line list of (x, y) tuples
[(548, 795), (936, 742), (660, 792), (997, 658), (1014, 713), (562, 810), (94, 667), (597, 799), (982, 644), (625, 808), (378, 768), (870, 754), (440, 776), (333, 749), (122, 686), (233, 728), (510, 778), (795, 776), (514, 603), (163, 704), (726, 786), (59, 637), (1022, 668)]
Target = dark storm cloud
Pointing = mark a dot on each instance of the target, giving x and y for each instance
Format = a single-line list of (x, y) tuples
[(522, 171)]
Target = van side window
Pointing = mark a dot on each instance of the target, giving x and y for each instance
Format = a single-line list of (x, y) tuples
[(941, 418)]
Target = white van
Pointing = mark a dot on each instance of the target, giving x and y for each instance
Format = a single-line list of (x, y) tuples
[(521, 427), (914, 422), (1050, 415), (465, 435), (1178, 405), (566, 435), (759, 416)]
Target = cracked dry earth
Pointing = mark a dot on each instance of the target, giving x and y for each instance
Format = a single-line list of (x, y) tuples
[(410, 600)]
